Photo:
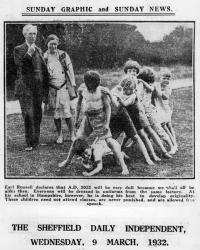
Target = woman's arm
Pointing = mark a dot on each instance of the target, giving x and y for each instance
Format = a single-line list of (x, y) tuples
[(71, 70), (54, 86)]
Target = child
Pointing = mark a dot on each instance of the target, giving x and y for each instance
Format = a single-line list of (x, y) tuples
[(162, 93), (96, 118), (148, 76), (121, 122), (133, 93)]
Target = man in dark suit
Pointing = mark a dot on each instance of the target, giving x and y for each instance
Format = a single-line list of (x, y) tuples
[(31, 84)]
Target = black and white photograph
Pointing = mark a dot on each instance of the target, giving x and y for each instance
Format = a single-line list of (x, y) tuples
[(99, 100)]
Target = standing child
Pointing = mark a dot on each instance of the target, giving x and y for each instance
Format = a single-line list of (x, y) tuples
[(133, 89), (97, 112), (162, 93), (148, 76), (121, 122)]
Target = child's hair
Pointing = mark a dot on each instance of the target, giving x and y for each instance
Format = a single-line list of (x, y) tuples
[(166, 74), (126, 82), (128, 85), (147, 75), (92, 77), (130, 64)]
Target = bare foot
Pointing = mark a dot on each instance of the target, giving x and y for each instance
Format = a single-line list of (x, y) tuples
[(167, 155), (59, 140), (62, 164), (86, 174), (156, 158), (172, 151), (150, 162), (125, 172), (176, 148)]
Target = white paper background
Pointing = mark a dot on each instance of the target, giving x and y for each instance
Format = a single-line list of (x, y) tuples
[(188, 215)]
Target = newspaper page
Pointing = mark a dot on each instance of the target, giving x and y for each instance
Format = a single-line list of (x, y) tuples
[(99, 121)]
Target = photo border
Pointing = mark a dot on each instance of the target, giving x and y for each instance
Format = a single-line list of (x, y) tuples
[(100, 177)]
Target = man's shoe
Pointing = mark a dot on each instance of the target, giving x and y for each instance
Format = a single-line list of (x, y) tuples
[(29, 149)]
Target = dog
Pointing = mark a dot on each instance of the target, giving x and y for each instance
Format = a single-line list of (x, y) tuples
[(91, 156)]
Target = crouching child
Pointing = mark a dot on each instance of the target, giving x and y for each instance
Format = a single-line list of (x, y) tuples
[(96, 119)]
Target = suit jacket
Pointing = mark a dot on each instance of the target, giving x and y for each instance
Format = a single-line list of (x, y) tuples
[(25, 71)]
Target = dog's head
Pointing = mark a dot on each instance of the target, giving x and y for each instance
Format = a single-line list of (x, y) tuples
[(80, 145), (85, 153), (88, 158)]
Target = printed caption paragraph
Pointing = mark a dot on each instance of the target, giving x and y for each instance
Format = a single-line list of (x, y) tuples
[(100, 194)]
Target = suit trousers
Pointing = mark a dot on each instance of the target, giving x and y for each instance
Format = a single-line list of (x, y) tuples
[(31, 106)]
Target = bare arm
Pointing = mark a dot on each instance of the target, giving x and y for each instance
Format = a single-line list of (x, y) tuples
[(107, 108), (56, 87), (78, 107), (147, 86), (161, 93), (71, 70), (130, 100)]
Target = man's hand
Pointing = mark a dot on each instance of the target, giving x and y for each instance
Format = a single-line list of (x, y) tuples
[(31, 50)]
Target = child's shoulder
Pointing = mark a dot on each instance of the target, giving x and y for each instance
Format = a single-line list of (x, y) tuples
[(82, 88), (117, 90), (105, 92)]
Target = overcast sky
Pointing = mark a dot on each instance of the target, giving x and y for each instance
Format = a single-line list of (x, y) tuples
[(156, 31)]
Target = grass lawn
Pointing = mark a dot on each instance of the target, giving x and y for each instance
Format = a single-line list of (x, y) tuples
[(43, 161)]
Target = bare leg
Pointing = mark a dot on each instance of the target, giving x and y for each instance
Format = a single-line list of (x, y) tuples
[(59, 130), (70, 125), (163, 136), (169, 126), (143, 149), (170, 136), (124, 141), (155, 138), (69, 157), (147, 143), (115, 147)]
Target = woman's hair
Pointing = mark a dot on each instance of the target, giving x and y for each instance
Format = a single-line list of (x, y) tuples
[(92, 77), (130, 64), (50, 38), (147, 75)]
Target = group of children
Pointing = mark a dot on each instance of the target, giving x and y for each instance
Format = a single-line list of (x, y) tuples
[(137, 108)]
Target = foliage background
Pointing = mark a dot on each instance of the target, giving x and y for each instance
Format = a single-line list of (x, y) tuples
[(105, 45)]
